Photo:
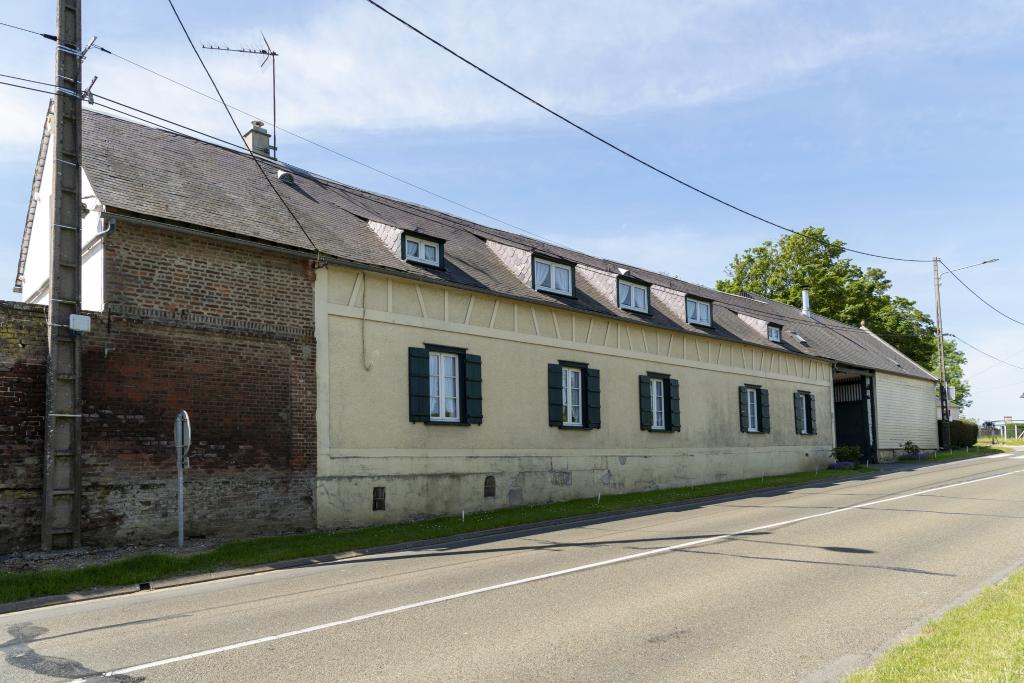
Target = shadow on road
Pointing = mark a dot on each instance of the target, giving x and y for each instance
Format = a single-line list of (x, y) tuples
[(18, 653)]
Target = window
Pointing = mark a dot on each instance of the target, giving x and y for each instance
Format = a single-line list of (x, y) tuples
[(572, 397), (803, 413), (698, 312), (444, 387), (549, 276), (754, 410), (378, 498), (658, 404), (633, 297), (774, 333), (751, 410), (489, 487), (422, 250)]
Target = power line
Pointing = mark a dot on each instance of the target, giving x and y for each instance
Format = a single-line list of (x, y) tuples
[(27, 87), (994, 365), (985, 353), (48, 36), (239, 131), (617, 148), (978, 296)]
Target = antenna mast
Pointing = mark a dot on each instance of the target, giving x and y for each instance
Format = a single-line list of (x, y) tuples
[(268, 53)]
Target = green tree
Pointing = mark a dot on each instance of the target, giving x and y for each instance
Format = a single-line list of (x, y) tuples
[(843, 291)]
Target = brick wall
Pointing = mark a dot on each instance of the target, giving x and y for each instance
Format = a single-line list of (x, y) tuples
[(225, 332), (22, 406)]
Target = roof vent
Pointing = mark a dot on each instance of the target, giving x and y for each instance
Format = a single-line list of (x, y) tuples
[(800, 339), (285, 177)]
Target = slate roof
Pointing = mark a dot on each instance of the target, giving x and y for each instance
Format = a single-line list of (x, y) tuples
[(163, 175)]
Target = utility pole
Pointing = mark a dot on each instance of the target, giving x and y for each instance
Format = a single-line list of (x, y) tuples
[(943, 391), (61, 527)]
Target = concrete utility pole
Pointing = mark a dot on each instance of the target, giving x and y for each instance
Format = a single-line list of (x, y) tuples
[(62, 455), (943, 391)]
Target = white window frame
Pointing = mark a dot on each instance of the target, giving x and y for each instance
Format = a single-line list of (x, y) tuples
[(631, 290), (657, 404), (753, 417), (698, 306), (438, 388), (569, 400), (553, 268), (774, 333), (420, 244)]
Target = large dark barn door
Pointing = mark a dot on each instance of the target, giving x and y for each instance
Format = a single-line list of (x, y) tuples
[(853, 414)]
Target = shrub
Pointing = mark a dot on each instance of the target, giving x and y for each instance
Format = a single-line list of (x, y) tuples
[(846, 453), (910, 447), (963, 433)]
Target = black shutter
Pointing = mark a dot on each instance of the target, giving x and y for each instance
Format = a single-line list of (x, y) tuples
[(812, 419), (743, 410), (646, 410), (765, 420), (593, 398), (419, 385), (473, 390), (555, 395), (675, 421), (797, 404)]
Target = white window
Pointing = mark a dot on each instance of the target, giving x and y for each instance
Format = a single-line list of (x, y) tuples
[(752, 410), (552, 277), (801, 414), (658, 403), (698, 312), (774, 333), (572, 397), (444, 387), (633, 297), (422, 251)]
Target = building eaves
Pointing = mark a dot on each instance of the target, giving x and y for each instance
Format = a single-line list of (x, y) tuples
[(33, 201)]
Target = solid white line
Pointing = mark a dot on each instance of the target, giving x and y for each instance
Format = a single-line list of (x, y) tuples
[(529, 579)]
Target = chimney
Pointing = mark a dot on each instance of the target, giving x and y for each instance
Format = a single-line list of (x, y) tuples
[(258, 140), (806, 295)]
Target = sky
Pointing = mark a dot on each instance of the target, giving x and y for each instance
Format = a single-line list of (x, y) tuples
[(896, 126)]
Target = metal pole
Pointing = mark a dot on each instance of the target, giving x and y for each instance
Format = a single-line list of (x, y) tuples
[(181, 497), (62, 452), (273, 84), (943, 392)]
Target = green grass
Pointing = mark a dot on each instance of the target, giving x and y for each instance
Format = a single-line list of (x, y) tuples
[(962, 453), (982, 640), (151, 567)]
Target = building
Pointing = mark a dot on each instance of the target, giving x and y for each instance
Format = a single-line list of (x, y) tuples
[(348, 358)]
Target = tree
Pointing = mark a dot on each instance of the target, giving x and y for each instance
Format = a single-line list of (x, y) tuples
[(843, 291)]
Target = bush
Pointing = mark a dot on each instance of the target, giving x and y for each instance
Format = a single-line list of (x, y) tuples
[(963, 433), (846, 453), (910, 447)]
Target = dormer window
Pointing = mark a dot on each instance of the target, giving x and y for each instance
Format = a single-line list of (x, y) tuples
[(775, 333), (634, 296), (698, 312), (420, 249), (550, 276)]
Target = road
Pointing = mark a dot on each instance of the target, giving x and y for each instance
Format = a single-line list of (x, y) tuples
[(804, 585)]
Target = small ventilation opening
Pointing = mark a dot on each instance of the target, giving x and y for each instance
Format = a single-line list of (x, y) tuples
[(489, 487), (378, 498)]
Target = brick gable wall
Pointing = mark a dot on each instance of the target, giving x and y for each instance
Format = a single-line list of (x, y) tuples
[(223, 331)]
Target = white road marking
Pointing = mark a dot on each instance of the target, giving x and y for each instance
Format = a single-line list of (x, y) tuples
[(528, 579)]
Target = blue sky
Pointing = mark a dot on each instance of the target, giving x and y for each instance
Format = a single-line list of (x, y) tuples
[(894, 125)]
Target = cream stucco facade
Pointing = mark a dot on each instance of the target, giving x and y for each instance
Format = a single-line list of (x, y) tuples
[(366, 322)]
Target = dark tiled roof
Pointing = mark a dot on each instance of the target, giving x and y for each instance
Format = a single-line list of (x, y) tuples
[(169, 176)]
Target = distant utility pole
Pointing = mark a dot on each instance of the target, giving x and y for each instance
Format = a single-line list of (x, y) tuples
[(943, 391), (272, 56), (61, 525)]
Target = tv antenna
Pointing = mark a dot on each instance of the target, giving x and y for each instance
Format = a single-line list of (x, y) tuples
[(268, 54)]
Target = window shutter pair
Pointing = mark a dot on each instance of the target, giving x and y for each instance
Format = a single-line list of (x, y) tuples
[(673, 420), (591, 397), (764, 419), (812, 419), (470, 391)]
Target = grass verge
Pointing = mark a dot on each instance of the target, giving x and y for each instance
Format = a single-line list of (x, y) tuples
[(257, 551), (963, 453), (982, 640)]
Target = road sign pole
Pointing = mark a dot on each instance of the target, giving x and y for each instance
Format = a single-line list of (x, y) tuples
[(182, 442)]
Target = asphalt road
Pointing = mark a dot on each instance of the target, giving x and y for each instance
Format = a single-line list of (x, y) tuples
[(805, 585)]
